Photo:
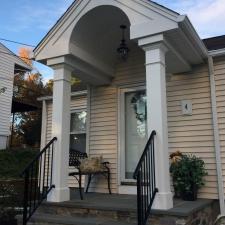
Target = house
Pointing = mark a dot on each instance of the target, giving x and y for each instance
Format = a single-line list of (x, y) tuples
[(10, 64), (170, 81)]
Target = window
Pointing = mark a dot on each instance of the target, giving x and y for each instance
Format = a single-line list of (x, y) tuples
[(78, 130)]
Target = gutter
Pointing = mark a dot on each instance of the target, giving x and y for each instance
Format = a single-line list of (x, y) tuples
[(216, 136), (187, 27), (218, 52)]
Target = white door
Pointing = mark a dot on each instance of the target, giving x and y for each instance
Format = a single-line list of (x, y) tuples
[(133, 135)]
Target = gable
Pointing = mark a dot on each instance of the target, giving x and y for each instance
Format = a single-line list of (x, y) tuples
[(146, 18)]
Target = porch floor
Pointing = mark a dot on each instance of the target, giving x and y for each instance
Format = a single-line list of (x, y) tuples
[(105, 209), (120, 202)]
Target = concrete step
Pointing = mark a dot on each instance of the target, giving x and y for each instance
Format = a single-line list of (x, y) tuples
[(47, 219), (85, 210)]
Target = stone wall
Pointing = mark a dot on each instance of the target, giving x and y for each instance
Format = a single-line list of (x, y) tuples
[(205, 215)]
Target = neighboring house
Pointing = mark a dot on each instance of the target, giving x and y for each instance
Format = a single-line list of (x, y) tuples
[(10, 64), (170, 71)]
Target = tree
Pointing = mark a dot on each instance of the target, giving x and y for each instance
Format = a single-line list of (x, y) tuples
[(27, 128), (25, 54)]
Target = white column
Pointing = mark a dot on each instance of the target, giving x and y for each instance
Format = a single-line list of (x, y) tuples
[(157, 120), (61, 129)]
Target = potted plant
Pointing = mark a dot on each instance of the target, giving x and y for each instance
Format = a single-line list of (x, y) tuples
[(188, 173)]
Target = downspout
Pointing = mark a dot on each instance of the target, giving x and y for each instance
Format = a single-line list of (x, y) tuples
[(216, 136)]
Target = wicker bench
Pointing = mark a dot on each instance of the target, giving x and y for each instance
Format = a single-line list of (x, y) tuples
[(75, 161)]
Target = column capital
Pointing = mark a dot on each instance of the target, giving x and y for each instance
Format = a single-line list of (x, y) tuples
[(153, 42), (155, 46), (60, 62)]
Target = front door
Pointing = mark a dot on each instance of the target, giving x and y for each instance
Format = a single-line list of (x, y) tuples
[(133, 120)]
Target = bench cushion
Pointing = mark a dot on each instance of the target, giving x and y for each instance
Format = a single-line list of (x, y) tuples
[(92, 165)]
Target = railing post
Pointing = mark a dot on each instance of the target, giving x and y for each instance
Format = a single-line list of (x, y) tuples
[(139, 201), (33, 174), (146, 186), (25, 199)]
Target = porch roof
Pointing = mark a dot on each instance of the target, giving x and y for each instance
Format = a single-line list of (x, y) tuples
[(82, 40), (68, 9)]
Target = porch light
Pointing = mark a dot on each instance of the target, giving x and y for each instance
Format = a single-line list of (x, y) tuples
[(123, 49)]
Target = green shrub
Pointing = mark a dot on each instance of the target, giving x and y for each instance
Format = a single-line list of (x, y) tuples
[(12, 162), (188, 173)]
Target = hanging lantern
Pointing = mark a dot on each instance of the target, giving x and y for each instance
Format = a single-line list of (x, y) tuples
[(123, 49)]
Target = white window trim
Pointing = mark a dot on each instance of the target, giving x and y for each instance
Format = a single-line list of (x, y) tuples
[(77, 111), (81, 132), (121, 140)]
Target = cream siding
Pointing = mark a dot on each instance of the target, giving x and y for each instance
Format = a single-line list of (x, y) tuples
[(219, 70), (76, 103), (193, 133), (189, 134), (104, 114)]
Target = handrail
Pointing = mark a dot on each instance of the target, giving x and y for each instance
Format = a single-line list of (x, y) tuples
[(143, 154), (146, 185), (37, 180), (38, 155)]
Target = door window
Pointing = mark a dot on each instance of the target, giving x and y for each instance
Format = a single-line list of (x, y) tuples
[(135, 129)]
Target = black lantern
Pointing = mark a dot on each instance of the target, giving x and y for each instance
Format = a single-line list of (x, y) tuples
[(123, 49)]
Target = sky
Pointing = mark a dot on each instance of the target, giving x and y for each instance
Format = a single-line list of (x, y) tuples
[(28, 21)]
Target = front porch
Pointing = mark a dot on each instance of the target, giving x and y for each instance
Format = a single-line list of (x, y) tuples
[(118, 209), (161, 43)]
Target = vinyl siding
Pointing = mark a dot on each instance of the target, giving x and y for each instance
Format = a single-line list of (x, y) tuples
[(219, 71), (188, 134), (6, 80), (76, 103), (193, 134), (7, 65), (104, 115)]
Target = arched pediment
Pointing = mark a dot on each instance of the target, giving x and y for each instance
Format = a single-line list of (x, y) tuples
[(145, 18)]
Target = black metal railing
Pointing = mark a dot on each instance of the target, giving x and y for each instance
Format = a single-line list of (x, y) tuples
[(37, 180), (146, 185)]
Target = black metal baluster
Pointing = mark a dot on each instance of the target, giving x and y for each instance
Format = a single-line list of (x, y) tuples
[(25, 199), (153, 162), (151, 158), (44, 173), (40, 179), (148, 166), (48, 170), (34, 180), (36, 183), (146, 185), (139, 198), (52, 163), (31, 189)]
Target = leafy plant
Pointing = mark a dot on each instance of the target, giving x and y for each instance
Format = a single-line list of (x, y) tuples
[(12, 162), (188, 174)]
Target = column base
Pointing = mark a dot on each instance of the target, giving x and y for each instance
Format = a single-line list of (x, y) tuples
[(59, 195), (163, 201)]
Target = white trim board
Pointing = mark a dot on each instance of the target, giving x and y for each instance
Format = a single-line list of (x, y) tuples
[(123, 189)]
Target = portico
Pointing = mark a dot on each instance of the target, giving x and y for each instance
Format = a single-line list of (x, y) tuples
[(83, 44)]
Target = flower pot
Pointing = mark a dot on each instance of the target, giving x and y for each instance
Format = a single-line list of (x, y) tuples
[(190, 195)]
